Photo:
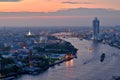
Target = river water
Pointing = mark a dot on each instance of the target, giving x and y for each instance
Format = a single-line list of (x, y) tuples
[(87, 66)]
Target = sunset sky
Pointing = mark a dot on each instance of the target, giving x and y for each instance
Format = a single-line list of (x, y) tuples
[(58, 12), (53, 5)]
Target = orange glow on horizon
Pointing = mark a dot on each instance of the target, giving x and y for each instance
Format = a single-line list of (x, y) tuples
[(50, 6)]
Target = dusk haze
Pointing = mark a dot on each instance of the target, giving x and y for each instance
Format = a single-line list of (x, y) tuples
[(59, 39), (58, 12)]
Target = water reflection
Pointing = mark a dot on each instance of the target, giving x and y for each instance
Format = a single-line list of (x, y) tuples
[(93, 68), (69, 72), (96, 47), (69, 63), (90, 49)]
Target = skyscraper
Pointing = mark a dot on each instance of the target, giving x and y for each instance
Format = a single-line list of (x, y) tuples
[(96, 24)]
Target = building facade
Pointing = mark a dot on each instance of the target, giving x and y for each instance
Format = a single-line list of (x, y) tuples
[(96, 24)]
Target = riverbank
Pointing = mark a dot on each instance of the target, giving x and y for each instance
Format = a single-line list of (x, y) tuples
[(37, 62), (15, 75), (106, 43), (76, 70)]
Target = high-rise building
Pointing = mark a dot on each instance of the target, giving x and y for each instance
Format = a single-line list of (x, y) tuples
[(96, 24)]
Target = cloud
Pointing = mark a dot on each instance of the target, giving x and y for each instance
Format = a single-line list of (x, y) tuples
[(67, 12), (72, 2), (10, 0), (69, 2), (67, 17)]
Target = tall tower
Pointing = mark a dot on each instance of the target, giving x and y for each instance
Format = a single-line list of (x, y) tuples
[(96, 24)]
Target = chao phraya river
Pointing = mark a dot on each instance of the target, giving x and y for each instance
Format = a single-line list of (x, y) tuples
[(87, 66)]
